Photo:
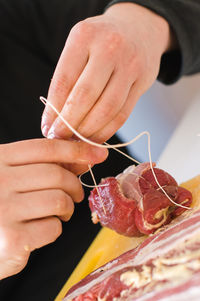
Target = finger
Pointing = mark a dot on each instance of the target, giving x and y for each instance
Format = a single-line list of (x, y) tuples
[(50, 150), (108, 105), (42, 232), (44, 203), (70, 65), (76, 169), (83, 96), (46, 176), (13, 256), (111, 128)]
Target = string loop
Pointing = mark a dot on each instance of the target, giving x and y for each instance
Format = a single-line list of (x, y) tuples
[(113, 146)]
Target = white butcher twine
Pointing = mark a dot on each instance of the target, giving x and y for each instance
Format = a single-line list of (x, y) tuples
[(114, 146)]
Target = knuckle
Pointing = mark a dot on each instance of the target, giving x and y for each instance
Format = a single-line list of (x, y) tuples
[(46, 147), (136, 63), (19, 262), (116, 38), (70, 210), (51, 149), (61, 203), (6, 241), (12, 251), (82, 29), (121, 118), (113, 41), (109, 109), (81, 193), (83, 93), (111, 105), (15, 239), (11, 241), (59, 85), (132, 64), (132, 52)]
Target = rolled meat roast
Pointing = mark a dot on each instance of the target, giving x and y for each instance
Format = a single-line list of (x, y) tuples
[(132, 204)]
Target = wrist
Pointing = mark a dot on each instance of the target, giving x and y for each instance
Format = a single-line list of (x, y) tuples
[(153, 25)]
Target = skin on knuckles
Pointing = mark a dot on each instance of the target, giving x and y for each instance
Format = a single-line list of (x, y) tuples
[(13, 256), (133, 51), (36, 194), (17, 241), (49, 229), (104, 54), (46, 176), (43, 203), (108, 106)]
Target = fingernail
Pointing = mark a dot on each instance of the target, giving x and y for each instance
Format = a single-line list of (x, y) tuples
[(51, 135), (45, 130)]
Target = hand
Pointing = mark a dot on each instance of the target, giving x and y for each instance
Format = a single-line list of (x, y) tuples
[(36, 193), (108, 62)]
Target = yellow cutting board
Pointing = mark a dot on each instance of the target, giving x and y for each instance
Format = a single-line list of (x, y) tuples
[(106, 246)]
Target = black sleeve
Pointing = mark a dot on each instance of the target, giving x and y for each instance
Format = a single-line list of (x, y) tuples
[(43, 25), (184, 18)]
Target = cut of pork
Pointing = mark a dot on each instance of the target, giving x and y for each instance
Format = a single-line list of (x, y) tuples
[(165, 267)]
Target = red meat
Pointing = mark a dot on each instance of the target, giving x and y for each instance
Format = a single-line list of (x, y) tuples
[(132, 204), (166, 266)]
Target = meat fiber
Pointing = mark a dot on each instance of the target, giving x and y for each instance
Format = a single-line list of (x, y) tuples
[(132, 204), (165, 267)]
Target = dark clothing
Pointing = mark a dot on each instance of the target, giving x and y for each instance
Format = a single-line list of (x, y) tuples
[(32, 35), (183, 16)]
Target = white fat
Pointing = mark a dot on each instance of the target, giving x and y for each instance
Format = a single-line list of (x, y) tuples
[(95, 218), (126, 171), (157, 247)]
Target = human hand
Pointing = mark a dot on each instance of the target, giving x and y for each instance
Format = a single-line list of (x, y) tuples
[(36, 193), (108, 62)]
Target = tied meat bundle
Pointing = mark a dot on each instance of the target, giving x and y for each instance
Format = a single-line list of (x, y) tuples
[(133, 204), (166, 266)]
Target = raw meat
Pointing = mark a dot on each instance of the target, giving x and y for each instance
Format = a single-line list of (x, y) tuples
[(132, 204), (166, 266)]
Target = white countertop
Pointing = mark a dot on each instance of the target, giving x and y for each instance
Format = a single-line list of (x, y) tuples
[(181, 156), (172, 116)]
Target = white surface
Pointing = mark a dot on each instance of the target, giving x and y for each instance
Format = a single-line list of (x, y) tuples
[(181, 157), (159, 111)]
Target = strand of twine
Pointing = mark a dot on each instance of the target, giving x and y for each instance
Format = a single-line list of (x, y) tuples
[(115, 147)]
